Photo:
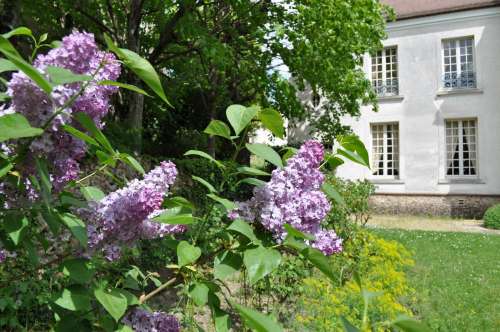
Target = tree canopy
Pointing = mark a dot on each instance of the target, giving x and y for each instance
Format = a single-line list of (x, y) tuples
[(215, 53)]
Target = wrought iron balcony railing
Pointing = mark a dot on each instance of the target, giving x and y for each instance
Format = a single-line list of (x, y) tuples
[(466, 79), (391, 88)]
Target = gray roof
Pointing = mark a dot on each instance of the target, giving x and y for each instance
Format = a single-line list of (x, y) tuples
[(417, 8)]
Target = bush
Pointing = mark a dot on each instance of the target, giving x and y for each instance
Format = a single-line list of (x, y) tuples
[(492, 217), (380, 264), (355, 210)]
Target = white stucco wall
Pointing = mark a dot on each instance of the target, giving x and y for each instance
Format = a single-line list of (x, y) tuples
[(422, 110)]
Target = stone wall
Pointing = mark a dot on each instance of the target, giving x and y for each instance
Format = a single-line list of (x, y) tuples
[(457, 206)]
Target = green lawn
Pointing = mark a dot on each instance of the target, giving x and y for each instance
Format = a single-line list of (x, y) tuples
[(456, 277)]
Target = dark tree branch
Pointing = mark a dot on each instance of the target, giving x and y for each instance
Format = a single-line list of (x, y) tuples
[(101, 25)]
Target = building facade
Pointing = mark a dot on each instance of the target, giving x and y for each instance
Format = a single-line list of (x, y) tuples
[(435, 142)]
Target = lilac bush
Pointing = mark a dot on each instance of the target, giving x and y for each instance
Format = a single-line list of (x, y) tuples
[(293, 196), (124, 216), (78, 53)]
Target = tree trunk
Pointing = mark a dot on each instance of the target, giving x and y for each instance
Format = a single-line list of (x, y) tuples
[(135, 100)]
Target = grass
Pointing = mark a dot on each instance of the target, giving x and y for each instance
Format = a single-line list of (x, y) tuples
[(456, 277)]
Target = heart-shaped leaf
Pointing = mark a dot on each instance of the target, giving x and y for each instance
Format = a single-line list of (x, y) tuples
[(240, 116), (113, 301), (187, 253), (218, 128), (260, 262)]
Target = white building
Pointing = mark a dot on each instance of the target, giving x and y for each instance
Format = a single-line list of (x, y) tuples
[(435, 142)]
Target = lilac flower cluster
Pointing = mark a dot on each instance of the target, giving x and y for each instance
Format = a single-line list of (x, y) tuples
[(124, 216), (80, 54), (293, 197), (141, 320)]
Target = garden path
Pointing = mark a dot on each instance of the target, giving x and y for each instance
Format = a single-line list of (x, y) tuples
[(430, 224)]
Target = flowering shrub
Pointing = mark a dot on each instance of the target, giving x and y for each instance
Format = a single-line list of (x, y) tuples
[(323, 304), (74, 236)]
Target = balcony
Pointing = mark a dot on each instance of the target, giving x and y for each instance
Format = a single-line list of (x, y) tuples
[(389, 89), (464, 80)]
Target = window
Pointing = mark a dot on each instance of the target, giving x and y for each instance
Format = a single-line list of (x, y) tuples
[(385, 72), (385, 149), (461, 147), (458, 62)]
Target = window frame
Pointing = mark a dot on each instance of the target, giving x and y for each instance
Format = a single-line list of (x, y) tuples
[(385, 152), (385, 72), (461, 174), (458, 62)]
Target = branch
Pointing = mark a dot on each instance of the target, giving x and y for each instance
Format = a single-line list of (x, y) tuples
[(146, 297), (95, 20), (167, 35)]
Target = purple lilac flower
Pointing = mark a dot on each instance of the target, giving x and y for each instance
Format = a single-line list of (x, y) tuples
[(80, 54), (123, 216), (3, 255), (141, 320), (293, 197)]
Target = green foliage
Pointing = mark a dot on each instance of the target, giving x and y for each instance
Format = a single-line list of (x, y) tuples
[(381, 264), (492, 217), (355, 208)]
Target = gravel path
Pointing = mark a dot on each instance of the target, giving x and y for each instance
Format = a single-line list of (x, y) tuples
[(430, 224)]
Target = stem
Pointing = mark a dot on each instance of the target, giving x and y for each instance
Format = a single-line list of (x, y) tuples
[(146, 297), (239, 147), (100, 169)]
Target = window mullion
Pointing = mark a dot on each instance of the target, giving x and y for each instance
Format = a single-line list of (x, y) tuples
[(457, 57), (384, 150), (460, 148)]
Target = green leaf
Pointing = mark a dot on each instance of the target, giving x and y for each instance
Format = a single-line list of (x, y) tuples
[(252, 181), (60, 76), (352, 156), (348, 327), (228, 205), (295, 232), (174, 217), (222, 320), (331, 192), (78, 269), (204, 183), (272, 120), (252, 171), (204, 155), (334, 161), (14, 126), (178, 201), (15, 226), (408, 324), (255, 320), (113, 301), (74, 298), (92, 193), (318, 259), (132, 162), (226, 264), (52, 220), (43, 38), (289, 153), (243, 228), (352, 143), (90, 126), (140, 66), (240, 116), (260, 262), (6, 65), (265, 152), (4, 96), (46, 184), (5, 167), (18, 32), (76, 227), (80, 135), (187, 253), (218, 128), (124, 86), (198, 292), (11, 54)]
